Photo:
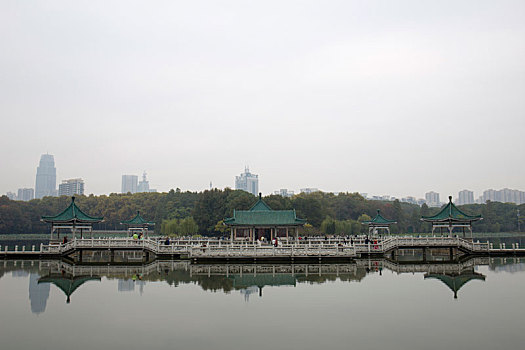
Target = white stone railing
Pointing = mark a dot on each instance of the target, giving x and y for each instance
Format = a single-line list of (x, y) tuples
[(202, 248), (289, 250)]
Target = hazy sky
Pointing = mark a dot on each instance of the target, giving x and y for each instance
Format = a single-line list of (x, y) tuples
[(384, 97)]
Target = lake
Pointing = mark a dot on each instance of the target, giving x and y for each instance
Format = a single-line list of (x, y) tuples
[(364, 304)]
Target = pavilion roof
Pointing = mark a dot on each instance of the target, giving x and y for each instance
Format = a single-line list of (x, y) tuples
[(451, 212), (379, 220), (456, 281), (260, 214), (72, 214), (138, 220), (67, 285)]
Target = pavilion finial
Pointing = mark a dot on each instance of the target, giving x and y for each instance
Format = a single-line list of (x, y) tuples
[(260, 195), (450, 199), (378, 210), (72, 198), (138, 212)]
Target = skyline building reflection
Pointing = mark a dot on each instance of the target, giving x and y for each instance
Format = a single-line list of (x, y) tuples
[(38, 294)]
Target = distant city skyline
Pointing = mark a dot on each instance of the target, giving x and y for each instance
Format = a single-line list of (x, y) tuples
[(46, 172)]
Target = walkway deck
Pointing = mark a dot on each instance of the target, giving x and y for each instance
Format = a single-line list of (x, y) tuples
[(217, 249)]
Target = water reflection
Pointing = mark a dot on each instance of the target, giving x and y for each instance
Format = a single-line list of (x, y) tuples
[(67, 283), (249, 280), (38, 294), (455, 281)]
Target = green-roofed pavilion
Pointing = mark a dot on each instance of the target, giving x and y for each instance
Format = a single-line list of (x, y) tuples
[(138, 224), (451, 217), (455, 281), (379, 223), (262, 221), (71, 218)]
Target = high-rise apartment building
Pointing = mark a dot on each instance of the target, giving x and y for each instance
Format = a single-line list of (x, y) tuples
[(143, 184), (71, 187), (505, 195), (432, 199), (309, 190), (46, 177), (283, 192), (11, 196), (26, 194), (465, 197), (129, 183), (247, 182)]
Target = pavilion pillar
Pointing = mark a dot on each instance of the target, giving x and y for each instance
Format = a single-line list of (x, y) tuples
[(231, 234), (287, 233), (272, 233)]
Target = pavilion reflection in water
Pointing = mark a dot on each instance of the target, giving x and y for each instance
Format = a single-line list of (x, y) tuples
[(248, 279), (455, 281), (67, 283)]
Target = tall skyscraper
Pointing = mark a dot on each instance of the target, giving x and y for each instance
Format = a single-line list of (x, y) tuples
[(71, 187), (143, 184), (25, 194), (247, 182), (465, 197), (432, 199), (46, 177), (129, 183)]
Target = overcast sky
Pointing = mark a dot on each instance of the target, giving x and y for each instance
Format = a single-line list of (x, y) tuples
[(384, 97)]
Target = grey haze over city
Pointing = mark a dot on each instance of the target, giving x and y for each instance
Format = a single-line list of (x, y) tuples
[(382, 97)]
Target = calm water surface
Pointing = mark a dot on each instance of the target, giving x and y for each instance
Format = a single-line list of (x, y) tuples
[(476, 304)]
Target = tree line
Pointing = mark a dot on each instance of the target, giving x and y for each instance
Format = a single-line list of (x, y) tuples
[(178, 212)]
